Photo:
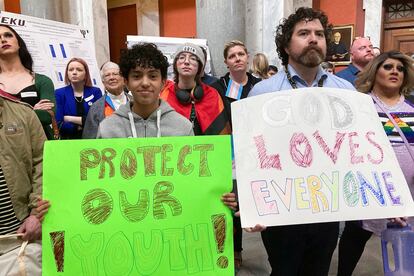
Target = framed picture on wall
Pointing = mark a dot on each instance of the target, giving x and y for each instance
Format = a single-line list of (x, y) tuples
[(340, 44)]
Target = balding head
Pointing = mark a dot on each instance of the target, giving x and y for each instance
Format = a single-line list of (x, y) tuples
[(361, 52)]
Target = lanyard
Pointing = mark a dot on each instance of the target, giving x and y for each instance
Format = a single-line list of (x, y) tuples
[(293, 82)]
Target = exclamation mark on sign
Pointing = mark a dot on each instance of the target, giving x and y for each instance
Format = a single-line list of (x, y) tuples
[(58, 246), (219, 226)]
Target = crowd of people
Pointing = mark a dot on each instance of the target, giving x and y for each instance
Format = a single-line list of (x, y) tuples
[(139, 101)]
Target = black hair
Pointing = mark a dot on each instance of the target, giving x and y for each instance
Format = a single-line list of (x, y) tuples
[(273, 68), (327, 65), (285, 30), (24, 55), (145, 55)]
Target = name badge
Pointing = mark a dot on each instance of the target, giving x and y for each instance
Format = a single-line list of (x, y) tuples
[(13, 128), (28, 94), (89, 98)]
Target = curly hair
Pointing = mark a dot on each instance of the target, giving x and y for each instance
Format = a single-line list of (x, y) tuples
[(24, 55), (285, 30), (366, 78), (145, 55), (88, 80)]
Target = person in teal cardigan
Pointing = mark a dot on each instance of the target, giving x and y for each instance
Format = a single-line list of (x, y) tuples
[(18, 79)]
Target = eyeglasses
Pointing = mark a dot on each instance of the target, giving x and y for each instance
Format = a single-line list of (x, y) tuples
[(389, 67), (191, 58)]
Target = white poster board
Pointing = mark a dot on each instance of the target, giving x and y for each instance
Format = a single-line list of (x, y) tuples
[(315, 155), (52, 44), (169, 45)]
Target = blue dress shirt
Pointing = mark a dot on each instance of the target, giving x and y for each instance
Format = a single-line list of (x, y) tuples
[(280, 82), (349, 73)]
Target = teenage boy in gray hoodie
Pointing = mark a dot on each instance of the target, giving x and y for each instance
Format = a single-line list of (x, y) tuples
[(144, 69)]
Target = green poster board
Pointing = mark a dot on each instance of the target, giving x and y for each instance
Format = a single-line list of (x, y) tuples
[(138, 207)]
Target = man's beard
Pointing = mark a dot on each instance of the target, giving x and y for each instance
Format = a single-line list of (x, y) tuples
[(311, 56)]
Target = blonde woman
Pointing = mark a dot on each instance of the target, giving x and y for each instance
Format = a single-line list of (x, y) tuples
[(260, 66)]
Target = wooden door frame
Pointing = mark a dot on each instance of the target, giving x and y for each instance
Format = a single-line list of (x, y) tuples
[(393, 24)]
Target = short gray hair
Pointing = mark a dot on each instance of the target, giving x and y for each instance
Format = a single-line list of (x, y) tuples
[(108, 65)]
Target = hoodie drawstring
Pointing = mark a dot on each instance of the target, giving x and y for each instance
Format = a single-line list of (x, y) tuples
[(134, 130), (131, 121), (159, 122)]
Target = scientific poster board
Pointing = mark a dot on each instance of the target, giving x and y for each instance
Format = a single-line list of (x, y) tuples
[(149, 206), (315, 155), (52, 44)]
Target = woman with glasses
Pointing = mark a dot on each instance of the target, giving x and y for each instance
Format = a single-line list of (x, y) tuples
[(198, 102), (114, 96), (74, 100), (388, 79)]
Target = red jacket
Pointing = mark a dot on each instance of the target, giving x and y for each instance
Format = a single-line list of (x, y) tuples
[(209, 110)]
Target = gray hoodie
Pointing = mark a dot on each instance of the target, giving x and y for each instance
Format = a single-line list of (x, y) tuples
[(164, 121)]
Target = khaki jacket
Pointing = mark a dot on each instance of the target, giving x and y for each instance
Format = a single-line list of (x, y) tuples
[(21, 155)]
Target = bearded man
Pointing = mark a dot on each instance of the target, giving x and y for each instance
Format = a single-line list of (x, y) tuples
[(301, 40)]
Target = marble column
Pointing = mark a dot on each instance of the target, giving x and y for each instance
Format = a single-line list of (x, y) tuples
[(253, 21), (262, 19), (46, 9), (220, 21), (254, 27), (148, 18), (90, 14), (373, 19), (301, 3), (2, 5)]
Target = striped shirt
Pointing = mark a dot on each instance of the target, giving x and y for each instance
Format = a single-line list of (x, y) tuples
[(8, 220), (404, 117)]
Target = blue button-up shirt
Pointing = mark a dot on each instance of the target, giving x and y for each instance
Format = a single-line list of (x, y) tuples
[(349, 73), (280, 82)]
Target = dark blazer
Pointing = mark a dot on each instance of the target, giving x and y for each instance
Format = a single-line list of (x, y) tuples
[(95, 116), (66, 105)]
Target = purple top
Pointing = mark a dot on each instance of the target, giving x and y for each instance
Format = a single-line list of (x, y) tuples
[(403, 114)]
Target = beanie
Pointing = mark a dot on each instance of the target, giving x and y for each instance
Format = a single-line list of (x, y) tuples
[(192, 49)]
